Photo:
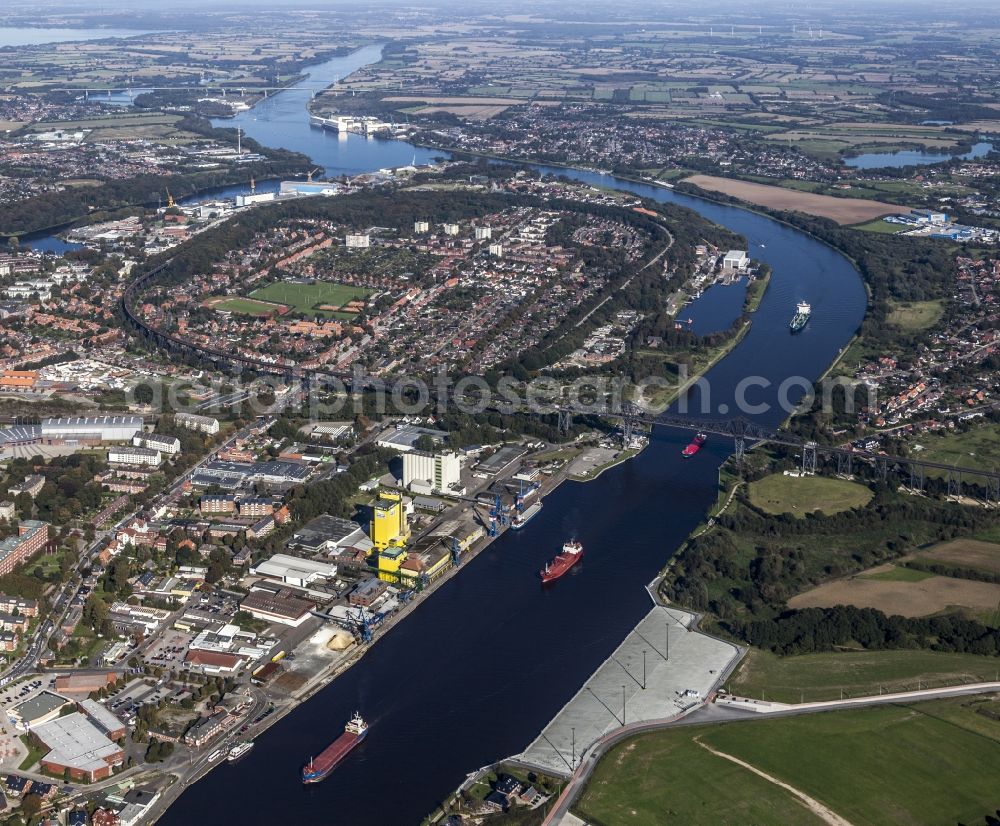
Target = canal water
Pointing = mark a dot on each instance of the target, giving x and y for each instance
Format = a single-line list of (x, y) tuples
[(476, 672)]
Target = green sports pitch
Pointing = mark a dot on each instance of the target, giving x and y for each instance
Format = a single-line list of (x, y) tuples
[(306, 298)]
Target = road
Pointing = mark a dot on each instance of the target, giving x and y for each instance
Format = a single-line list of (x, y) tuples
[(710, 714), (38, 642)]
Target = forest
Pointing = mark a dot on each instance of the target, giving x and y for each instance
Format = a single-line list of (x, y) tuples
[(744, 570)]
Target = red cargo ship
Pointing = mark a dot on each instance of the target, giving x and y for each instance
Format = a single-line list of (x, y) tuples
[(572, 552), (319, 767), (695, 445)]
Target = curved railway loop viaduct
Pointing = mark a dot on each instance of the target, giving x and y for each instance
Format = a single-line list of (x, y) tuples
[(907, 470)]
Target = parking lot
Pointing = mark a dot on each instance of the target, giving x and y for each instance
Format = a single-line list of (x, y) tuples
[(168, 651), (16, 693)]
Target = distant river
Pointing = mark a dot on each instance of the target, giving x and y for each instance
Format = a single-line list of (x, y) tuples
[(475, 673), (27, 36)]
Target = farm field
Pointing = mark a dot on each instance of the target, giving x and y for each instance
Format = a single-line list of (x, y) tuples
[(904, 596), (778, 493), (966, 553), (927, 763), (842, 210), (815, 677), (307, 298)]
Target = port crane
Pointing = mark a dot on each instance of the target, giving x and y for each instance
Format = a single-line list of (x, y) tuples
[(366, 623)]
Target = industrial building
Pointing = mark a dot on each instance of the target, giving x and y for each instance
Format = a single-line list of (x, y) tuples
[(96, 428), (293, 570), (282, 605), (112, 727), (389, 528), (432, 472), (328, 534), (77, 683), (39, 709), (500, 461), (300, 188), (405, 438), (78, 746), (735, 260)]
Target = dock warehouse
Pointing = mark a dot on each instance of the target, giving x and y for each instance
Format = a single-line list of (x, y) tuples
[(329, 534), (404, 439), (293, 570), (283, 607), (501, 460)]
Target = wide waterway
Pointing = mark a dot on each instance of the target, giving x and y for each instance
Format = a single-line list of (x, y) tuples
[(476, 671)]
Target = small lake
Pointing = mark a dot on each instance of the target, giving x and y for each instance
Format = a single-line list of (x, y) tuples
[(31, 36), (914, 157)]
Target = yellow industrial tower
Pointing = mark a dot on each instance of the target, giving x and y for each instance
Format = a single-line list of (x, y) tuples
[(389, 527), (389, 534)]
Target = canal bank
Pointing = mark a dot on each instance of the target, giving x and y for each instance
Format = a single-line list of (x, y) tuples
[(483, 667)]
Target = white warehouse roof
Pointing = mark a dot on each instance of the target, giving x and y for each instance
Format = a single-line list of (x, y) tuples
[(291, 568)]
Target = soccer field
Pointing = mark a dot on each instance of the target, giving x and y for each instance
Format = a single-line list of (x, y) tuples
[(307, 298), (243, 306)]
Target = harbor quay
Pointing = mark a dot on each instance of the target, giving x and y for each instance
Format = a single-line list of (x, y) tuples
[(663, 669)]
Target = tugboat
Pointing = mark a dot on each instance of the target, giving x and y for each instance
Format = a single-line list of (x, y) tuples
[(802, 313), (695, 446), (572, 552), (319, 768)]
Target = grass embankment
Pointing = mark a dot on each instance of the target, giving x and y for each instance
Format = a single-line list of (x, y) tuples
[(815, 677), (657, 398), (978, 447), (756, 290), (929, 763), (915, 315), (800, 495)]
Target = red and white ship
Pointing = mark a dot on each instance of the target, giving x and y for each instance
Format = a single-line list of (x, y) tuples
[(695, 446), (572, 552), (319, 767)]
